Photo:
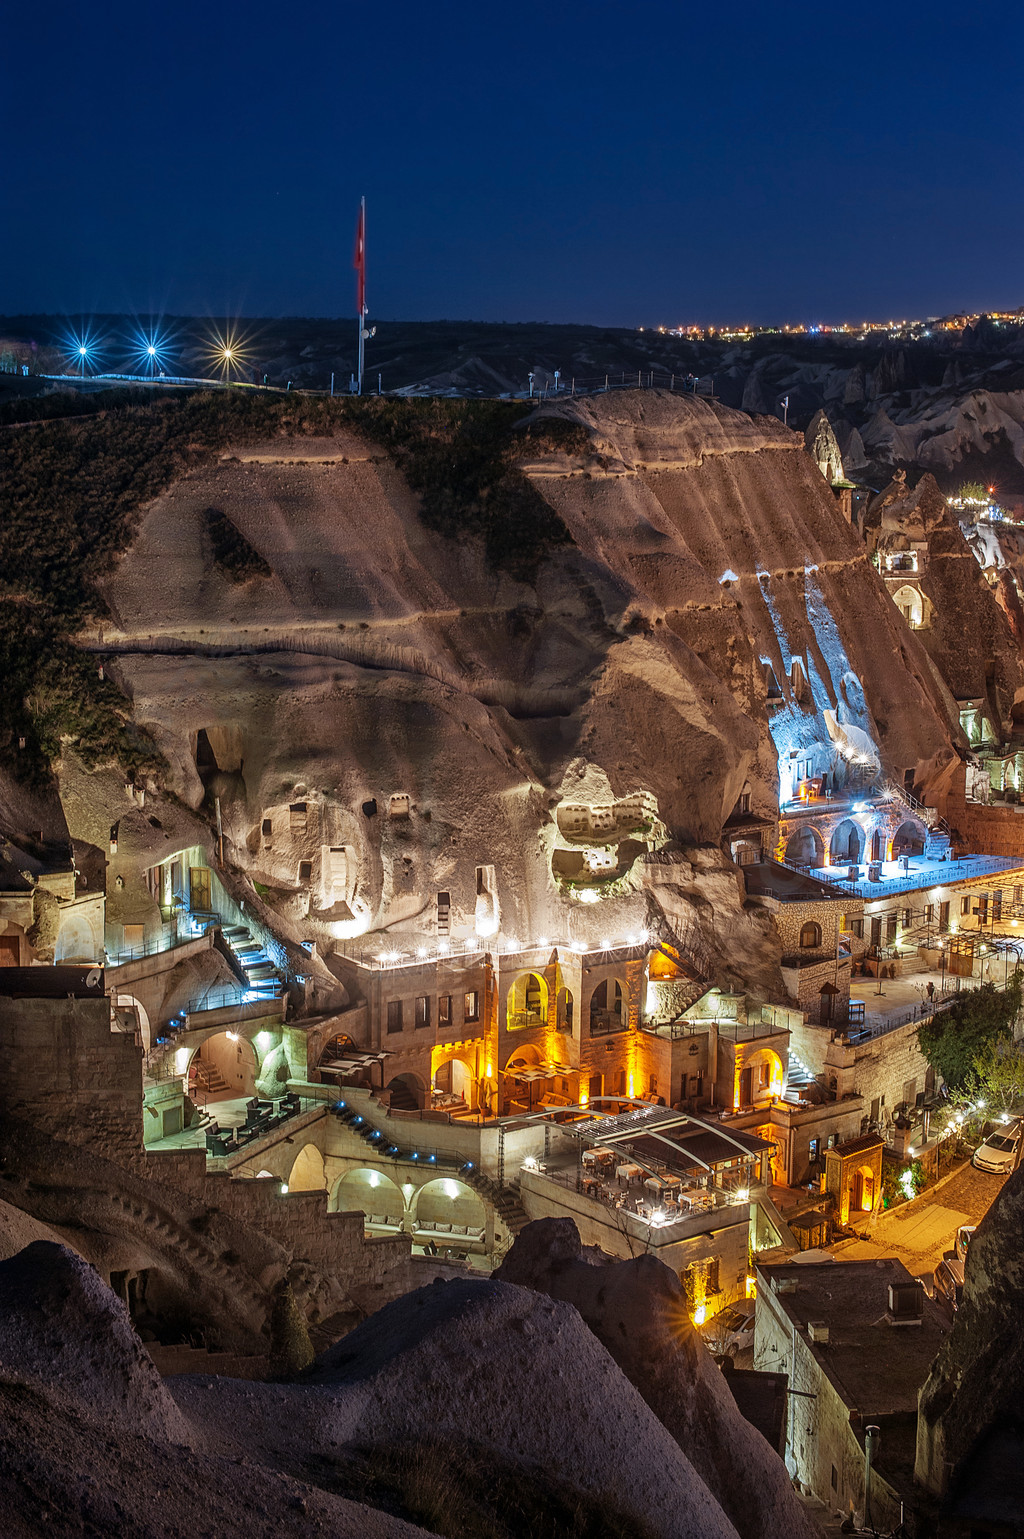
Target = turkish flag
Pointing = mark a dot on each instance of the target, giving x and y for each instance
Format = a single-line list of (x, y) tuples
[(359, 262)]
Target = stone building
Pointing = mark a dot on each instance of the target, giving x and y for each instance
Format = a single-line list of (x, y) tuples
[(857, 1339)]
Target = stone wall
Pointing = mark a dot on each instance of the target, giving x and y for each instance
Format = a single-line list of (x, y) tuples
[(722, 1237), (69, 1074)]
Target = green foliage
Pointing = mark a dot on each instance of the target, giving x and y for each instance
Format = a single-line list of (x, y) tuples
[(995, 1083), (72, 495), (460, 457), (290, 1347), (954, 1038), (231, 550)]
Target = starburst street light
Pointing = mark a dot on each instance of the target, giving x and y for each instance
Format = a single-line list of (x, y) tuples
[(79, 350), (229, 353), (151, 351)]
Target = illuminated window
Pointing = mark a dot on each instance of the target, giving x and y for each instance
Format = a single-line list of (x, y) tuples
[(444, 1010), (422, 1016), (471, 1006), (810, 935)]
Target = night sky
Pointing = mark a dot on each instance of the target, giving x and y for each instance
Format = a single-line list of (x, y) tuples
[(645, 163)]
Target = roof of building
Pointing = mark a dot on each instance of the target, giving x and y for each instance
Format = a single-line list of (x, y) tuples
[(858, 1145), (877, 1368), (657, 1136)]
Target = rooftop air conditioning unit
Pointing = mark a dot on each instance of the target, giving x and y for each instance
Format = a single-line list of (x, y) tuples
[(852, 873), (817, 1330), (906, 1302), (875, 871)]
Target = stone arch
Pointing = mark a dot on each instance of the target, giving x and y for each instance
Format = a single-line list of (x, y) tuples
[(454, 1074), (810, 935), (847, 845), (565, 1011), (805, 847), (447, 1200), (908, 839), (759, 1077), (407, 1092), (307, 1172), (224, 1067), (609, 1006), (369, 1192), (910, 604), (862, 1190), (128, 1002), (524, 1092), (527, 1002)]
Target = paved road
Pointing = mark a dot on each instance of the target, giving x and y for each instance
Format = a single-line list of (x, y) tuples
[(918, 1232)]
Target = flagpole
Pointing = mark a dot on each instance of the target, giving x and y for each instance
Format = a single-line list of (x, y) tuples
[(361, 305)]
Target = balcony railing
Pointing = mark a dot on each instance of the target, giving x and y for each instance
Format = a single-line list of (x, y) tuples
[(604, 1023)]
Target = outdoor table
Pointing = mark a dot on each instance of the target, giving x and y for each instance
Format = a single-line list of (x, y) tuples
[(627, 1172), (655, 1183)]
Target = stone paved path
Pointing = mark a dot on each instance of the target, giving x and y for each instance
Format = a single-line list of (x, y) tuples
[(918, 1232)]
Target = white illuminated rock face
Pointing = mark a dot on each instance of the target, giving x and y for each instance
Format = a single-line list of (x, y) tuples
[(471, 746)]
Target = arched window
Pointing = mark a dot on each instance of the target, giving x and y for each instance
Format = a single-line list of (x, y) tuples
[(810, 935)]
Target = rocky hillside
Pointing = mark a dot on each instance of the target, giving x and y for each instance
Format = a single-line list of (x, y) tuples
[(425, 1419), (439, 623)]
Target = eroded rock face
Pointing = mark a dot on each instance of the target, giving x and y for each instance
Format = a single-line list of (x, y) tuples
[(92, 1442), (61, 1329), (971, 1399), (638, 1311), (971, 623), (429, 715), (500, 1378)]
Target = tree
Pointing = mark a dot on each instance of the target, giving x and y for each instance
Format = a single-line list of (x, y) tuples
[(997, 1080), (954, 1038)]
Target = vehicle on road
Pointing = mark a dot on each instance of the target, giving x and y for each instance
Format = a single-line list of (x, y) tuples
[(1000, 1150), (949, 1282), (733, 1330)]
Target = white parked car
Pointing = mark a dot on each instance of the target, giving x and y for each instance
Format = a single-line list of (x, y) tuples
[(1000, 1150)]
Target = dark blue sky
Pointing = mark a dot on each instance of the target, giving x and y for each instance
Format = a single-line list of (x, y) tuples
[(640, 163)]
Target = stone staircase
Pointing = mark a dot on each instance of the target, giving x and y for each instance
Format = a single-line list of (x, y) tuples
[(209, 1078), (503, 1199), (260, 971), (937, 843), (798, 1080)]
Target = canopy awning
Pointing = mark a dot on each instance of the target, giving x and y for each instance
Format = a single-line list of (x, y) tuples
[(527, 1073)]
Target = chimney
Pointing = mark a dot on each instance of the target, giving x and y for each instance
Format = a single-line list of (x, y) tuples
[(817, 1330)]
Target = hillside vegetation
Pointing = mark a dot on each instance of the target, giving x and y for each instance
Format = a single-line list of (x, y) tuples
[(73, 488)]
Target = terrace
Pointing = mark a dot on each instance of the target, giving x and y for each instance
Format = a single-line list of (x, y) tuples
[(660, 1176)]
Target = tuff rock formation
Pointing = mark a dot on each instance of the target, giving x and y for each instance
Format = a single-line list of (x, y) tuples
[(637, 1310), (437, 713), (970, 1439), (430, 1407)]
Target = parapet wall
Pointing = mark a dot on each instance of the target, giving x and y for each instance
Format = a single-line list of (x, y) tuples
[(69, 1074)]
